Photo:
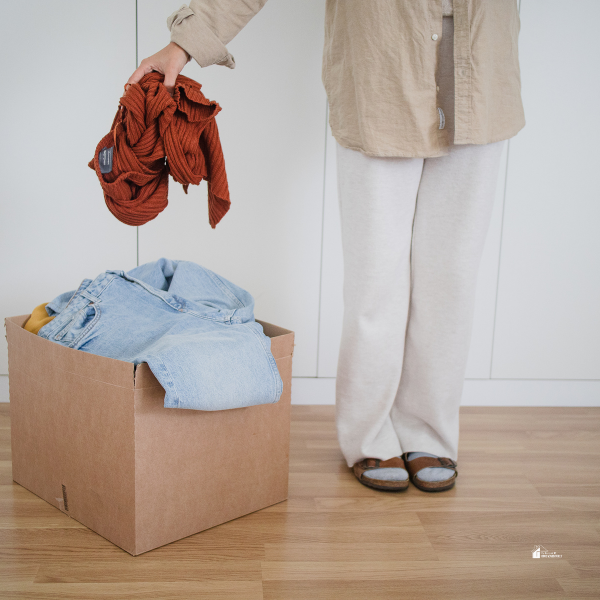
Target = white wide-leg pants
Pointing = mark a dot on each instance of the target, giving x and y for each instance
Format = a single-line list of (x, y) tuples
[(413, 231)]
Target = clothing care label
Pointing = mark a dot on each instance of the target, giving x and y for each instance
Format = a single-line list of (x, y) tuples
[(105, 159), (442, 119)]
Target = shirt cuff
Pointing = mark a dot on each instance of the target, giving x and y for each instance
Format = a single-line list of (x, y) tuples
[(197, 39)]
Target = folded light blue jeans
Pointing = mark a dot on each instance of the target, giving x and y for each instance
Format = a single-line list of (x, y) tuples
[(195, 329)]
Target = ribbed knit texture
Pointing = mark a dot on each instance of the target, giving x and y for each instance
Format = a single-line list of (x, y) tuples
[(154, 135)]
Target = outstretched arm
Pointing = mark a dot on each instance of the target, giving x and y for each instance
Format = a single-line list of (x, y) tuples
[(199, 31)]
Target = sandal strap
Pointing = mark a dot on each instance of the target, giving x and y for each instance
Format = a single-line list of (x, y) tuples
[(416, 464), (366, 464)]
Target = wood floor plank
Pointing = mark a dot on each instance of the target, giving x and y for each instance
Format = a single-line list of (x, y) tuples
[(482, 528), (4, 415), (53, 520), (422, 501), (412, 589), (22, 572), (582, 503), (197, 590), (5, 472), (416, 547), (136, 569), (414, 569), (571, 490), (588, 588)]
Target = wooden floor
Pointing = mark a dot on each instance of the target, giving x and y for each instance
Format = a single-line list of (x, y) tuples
[(527, 476)]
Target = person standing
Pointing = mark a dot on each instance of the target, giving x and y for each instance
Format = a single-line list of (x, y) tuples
[(422, 97)]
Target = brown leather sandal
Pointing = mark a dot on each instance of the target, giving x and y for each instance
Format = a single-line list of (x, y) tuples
[(416, 464), (368, 464)]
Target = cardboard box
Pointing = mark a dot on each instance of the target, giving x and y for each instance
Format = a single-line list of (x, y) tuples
[(90, 436)]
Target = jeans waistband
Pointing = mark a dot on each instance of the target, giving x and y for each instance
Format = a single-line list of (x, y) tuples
[(89, 292)]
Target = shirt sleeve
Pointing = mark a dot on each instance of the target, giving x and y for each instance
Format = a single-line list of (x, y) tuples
[(204, 28)]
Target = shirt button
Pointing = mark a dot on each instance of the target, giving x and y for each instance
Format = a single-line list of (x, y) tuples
[(434, 37), (437, 87)]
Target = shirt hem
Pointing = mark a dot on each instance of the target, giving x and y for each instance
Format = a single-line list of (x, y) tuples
[(379, 154), (401, 154)]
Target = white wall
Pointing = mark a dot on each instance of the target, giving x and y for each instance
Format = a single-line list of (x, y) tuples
[(536, 339)]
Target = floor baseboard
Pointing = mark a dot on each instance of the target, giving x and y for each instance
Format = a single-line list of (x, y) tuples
[(477, 392)]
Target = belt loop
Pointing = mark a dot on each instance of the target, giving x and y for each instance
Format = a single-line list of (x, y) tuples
[(89, 296)]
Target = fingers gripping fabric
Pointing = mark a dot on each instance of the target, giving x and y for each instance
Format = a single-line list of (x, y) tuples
[(154, 135)]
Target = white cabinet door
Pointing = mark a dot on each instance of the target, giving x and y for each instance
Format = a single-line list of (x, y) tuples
[(272, 130), (332, 299), (548, 317), (480, 354), (64, 66)]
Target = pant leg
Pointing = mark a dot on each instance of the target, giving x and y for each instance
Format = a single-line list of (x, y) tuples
[(377, 202), (452, 216)]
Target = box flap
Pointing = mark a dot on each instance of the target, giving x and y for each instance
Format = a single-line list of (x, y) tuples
[(33, 350), (282, 340), (110, 370)]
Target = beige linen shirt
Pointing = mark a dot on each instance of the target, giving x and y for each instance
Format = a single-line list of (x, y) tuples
[(380, 67)]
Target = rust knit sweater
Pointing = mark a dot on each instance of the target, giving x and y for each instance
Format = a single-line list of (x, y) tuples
[(154, 135)]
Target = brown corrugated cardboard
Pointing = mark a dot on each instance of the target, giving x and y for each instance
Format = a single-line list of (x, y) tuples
[(90, 435)]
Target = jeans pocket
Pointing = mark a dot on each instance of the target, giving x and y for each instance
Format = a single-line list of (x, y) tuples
[(81, 323)]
